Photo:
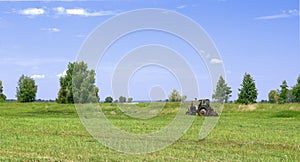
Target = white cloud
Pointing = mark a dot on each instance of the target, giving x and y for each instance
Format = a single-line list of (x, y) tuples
[(181, 6), (65, 11), (283, 14), (215, 61), (59, 10), (52, 30), (81, 12), (32, 11), (37, 76), (62, 74)]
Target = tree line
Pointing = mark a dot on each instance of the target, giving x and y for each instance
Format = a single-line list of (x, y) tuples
[(248, 92), (78, 86)]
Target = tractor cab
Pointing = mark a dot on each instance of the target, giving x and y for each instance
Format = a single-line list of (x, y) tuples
[(204, 102)]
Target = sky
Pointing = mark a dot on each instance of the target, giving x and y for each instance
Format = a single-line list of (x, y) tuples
[(39, 39)]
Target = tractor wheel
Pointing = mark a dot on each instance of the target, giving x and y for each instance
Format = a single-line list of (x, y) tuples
[(202, 112)]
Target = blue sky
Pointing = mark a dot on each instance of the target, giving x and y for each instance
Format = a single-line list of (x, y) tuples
[(38, 39)]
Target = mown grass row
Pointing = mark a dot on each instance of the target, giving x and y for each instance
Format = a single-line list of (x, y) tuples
[(53, 132)]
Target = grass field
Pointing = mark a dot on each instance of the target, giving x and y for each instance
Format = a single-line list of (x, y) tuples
[(53, 132)]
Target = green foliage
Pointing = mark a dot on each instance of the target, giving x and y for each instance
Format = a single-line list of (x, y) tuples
[(248, 92), (2, 96), (122, 99), (130, 99), (108, 99), (273, 96), (176, 97), (26, 90), (65, 93), (78, 86), (296, 91), (283, 93), (222, 92)]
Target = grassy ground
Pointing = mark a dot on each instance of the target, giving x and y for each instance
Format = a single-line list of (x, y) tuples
[(53, 132)]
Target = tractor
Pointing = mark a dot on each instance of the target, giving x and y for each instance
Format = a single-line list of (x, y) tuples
[(203, 109)]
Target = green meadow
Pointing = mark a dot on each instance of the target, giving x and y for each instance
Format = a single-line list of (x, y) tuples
[(53, 132)]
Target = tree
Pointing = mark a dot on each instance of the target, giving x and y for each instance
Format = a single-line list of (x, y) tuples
[(176, 97), (65, 93), (78, 86), (130, 99), (222, 92), (296, 91), (283, 93), (2, 96), (26, 90), (248, 92), (122, 99), (273, 96), (108, 99)]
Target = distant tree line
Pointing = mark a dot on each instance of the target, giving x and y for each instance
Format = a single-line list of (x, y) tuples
[(78, 86), (248, 92), (285, 94)]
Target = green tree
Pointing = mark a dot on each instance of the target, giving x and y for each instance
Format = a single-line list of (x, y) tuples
[(122, 99), (273, 96), (78, 86), (65, 93), (2, 96), (248, 92), (130, 99), (283, 93), (108, 99), (222, 92), (296, 91), (26, 90), (176, 97)]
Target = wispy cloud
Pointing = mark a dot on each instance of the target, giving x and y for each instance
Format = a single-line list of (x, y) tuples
[(82, 12), (283, 14), (52, 30), (215, 61), (37, 76), (181, 6), (32, 11)]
